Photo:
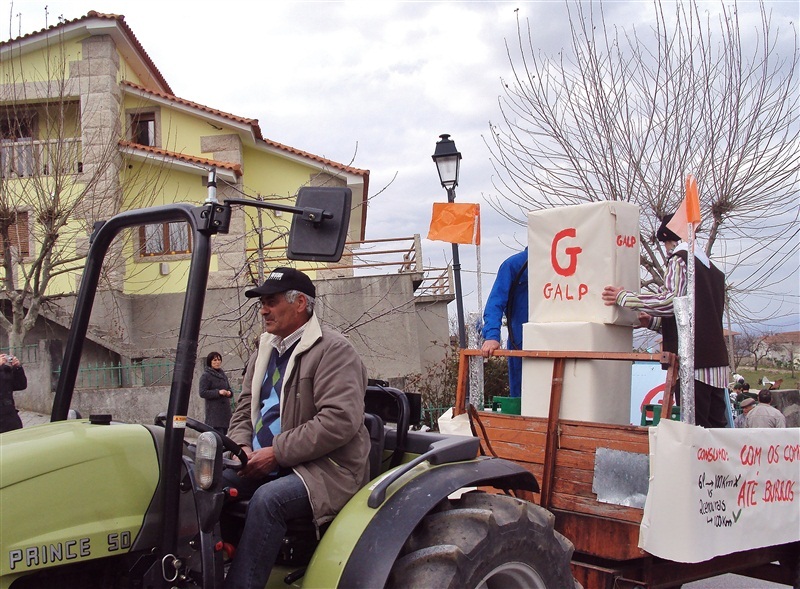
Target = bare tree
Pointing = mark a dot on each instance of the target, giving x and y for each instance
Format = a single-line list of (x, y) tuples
[(756, 344), (741, 349), (789, 347), (57, 177), (623, 114)]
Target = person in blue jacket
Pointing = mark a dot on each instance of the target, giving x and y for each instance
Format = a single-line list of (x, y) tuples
[(509, 297)]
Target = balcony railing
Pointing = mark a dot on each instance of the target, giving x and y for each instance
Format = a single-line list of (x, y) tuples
[(369, 257), (26, 157)]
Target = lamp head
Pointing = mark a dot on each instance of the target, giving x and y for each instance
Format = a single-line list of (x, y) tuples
[(447, 159)]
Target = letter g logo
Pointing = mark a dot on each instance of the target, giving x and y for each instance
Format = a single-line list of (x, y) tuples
[(572, 252)]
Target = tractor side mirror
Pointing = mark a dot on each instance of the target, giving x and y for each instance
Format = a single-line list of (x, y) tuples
[(314, 237)]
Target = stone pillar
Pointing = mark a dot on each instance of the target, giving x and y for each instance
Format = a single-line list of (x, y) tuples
[(101, 129)]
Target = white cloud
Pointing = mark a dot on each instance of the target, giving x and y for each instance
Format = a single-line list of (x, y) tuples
[(385, 78)]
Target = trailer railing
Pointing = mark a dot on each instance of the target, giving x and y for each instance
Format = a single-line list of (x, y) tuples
[(667, 359)]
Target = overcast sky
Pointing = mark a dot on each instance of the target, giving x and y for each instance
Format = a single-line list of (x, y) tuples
[(367, 83)]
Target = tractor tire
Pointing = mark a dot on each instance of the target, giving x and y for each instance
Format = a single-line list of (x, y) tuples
[(485, 541)]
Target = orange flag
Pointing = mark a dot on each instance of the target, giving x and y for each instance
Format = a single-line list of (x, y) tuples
[(456, 223), (688, 212)]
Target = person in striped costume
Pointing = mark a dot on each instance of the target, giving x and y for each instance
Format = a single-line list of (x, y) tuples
[(656, 312)]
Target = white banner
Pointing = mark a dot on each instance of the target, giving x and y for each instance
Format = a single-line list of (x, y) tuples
[(718, 491)]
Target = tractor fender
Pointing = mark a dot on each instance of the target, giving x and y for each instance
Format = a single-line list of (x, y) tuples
[(376, 548)]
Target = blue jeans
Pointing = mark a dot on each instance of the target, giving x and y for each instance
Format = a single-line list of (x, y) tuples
[(272, 504)]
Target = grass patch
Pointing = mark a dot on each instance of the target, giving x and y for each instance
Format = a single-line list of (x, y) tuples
[(752, 377)]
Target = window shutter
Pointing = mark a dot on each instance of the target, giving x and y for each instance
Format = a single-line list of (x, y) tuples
[(18, 235)]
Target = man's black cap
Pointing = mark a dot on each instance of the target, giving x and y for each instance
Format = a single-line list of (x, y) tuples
[(281, 280), (664, 233)]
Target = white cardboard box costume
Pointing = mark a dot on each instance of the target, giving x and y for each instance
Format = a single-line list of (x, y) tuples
[(573, 253), (593, 390)]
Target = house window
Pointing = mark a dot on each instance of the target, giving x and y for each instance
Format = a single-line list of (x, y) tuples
[(143, 128), (16, 144), (164, 239), (17, 235)]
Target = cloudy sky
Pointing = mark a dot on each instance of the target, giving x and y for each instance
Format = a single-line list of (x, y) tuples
[(367, 83)]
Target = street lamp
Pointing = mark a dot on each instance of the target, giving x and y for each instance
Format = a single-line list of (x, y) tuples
[(448, 160)]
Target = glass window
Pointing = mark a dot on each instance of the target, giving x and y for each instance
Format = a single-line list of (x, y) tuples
[(16, 144), (143, 129), (165, 239)]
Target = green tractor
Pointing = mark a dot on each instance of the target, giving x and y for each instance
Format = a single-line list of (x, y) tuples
[(94, 503)]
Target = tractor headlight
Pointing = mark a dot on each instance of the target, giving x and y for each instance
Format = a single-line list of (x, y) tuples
[(206, 459)]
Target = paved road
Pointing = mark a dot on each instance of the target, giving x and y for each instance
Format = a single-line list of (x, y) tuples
[(733, 582), (30, 418)]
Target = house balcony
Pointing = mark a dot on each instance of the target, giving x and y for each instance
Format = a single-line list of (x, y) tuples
[(401, 255), (26, 158)]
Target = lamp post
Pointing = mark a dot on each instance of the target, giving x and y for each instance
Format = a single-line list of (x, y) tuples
[(448, 160)]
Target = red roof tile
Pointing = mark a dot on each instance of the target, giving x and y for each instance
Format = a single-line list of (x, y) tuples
[(787, 337), (322, 160), (120, 20), (255, 127), (252, 122), (201, 161)]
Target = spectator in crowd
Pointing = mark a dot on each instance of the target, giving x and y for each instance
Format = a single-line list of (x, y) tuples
[(764, 414), (736, 391), (746, 406), (12, 378), (216, 390), (744, 393), (509, 298)]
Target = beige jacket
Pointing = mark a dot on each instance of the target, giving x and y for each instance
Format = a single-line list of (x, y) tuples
[(322, 438)]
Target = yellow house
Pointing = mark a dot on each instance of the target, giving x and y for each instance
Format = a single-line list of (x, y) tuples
[(89, 127)]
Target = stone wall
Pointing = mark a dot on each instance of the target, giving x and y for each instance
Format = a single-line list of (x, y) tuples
[(396, 334), (788, 402), (132, 404)]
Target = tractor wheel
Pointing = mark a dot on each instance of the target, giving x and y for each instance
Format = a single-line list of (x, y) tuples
[(485, 541)]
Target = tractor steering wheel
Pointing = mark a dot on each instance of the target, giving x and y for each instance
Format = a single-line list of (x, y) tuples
[(227, 443)]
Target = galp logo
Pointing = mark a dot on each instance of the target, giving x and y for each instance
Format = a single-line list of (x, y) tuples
[(571, 253), (563, 252)]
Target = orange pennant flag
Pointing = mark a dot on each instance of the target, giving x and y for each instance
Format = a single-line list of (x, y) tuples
[(688, 211), (456, 223), (692, 201)]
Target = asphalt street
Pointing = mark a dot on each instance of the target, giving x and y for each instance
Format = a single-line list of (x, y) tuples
[(733, 582)]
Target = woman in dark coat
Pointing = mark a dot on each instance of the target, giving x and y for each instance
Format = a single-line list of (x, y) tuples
[(216, 390), (12, 378)]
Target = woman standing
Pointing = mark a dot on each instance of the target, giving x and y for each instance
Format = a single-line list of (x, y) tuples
[(12, 378), (216, 390)]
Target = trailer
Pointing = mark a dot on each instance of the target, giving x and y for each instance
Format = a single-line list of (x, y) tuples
[(565, 456)]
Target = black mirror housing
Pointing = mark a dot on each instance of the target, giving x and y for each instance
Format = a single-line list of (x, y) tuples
[(316, 239)]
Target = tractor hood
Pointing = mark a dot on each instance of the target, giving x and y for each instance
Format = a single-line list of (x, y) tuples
[(73, 491)]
